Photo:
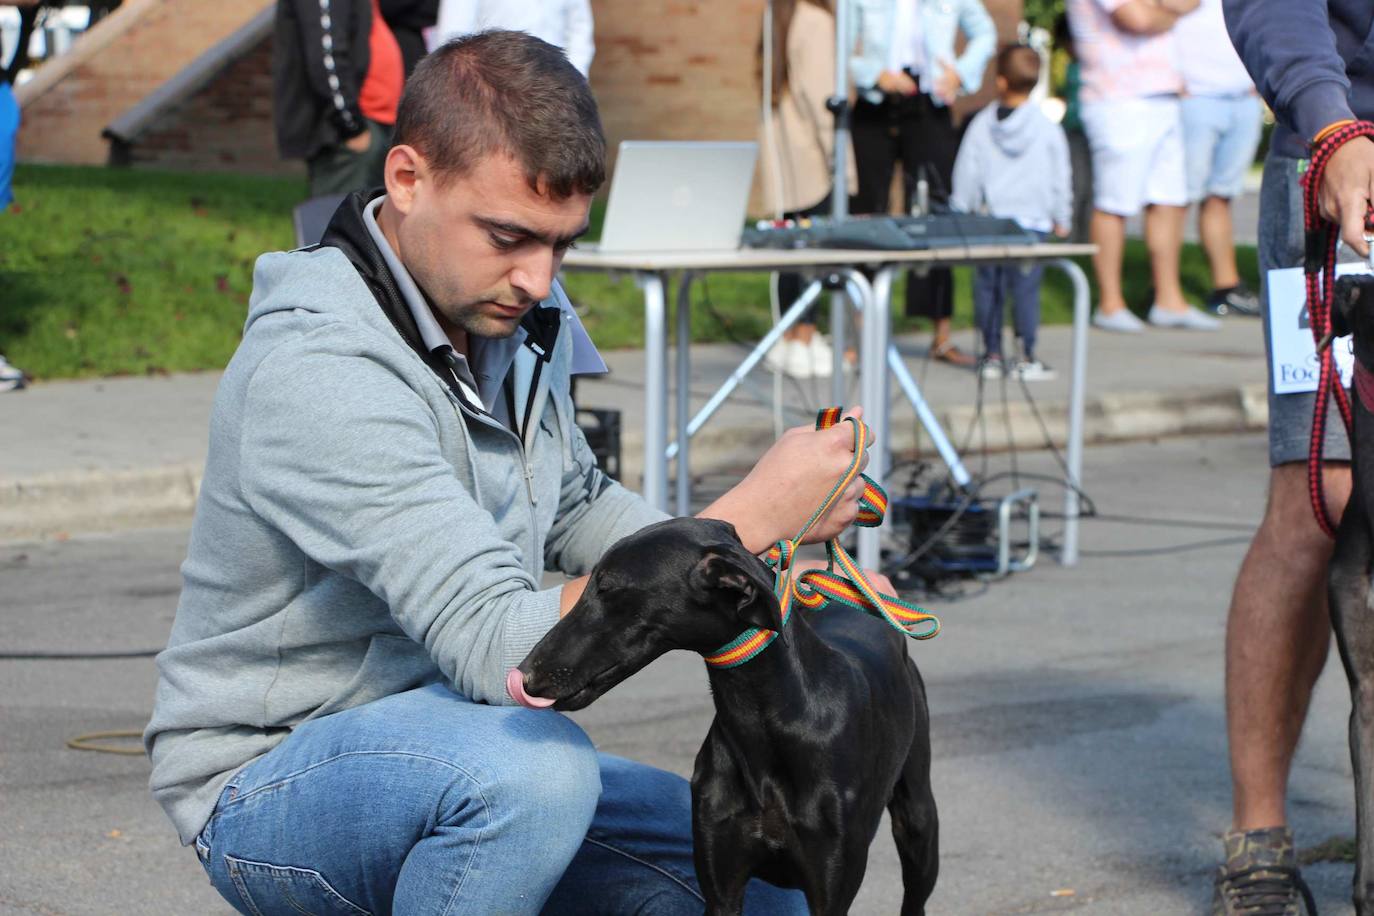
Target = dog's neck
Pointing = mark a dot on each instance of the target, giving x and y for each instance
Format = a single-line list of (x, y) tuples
[(746, 696)]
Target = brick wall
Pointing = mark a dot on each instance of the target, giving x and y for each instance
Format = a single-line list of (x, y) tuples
[(114, 65), (664, 69), (227, 126), (685, 69)]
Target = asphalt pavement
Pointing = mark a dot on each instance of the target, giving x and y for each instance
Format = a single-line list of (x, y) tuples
[(1078, 728)]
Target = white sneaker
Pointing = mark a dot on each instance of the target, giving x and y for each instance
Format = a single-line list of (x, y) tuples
[(991, 368), (1190, 319), (775, 360), (1121, 321), (796, 360), (11, 377), (1033, 370), (822, 357)]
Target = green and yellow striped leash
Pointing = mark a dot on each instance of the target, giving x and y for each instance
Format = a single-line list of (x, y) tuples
[(842, 581)]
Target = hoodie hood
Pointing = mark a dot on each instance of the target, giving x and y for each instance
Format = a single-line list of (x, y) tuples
[(345, 235), (1018, 131), (1016, 167)]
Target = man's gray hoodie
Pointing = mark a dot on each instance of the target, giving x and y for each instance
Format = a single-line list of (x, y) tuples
[(360, 531), (1016, 167)]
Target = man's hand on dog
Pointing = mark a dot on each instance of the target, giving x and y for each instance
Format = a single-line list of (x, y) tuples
[(1347, 191), (789, 483)]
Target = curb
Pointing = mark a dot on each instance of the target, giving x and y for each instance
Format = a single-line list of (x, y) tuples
[(55, 505)]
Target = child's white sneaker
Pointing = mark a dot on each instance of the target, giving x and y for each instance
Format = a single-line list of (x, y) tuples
[(1033, 370)]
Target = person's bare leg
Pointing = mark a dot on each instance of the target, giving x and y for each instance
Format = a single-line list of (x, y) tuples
[(801, 331), (941, 331), (1277, 634), (1164, 241), (1108, 232), (1218, 241)]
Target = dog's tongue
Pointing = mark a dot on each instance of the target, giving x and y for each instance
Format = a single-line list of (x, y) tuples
[(515, 686)]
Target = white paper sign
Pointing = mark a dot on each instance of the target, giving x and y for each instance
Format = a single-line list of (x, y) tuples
[(1295, 365)]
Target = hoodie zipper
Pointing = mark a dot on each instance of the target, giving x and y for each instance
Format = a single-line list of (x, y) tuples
[(526, 469)]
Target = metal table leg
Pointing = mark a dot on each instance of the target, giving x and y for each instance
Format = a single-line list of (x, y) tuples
[(654, 485), (683, 468), (873, 343), (837, 347), (1077, 393), (789, 318)]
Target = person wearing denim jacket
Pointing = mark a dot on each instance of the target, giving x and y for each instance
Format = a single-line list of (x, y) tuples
[(871, 23), (907, 74)]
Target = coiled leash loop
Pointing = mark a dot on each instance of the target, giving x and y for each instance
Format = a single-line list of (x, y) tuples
[(1319, 269), (842, 581)]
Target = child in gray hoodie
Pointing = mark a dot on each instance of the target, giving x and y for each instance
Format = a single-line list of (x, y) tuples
[(1013, 163)]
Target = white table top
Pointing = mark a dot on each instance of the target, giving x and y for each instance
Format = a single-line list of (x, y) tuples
[(588, 257)]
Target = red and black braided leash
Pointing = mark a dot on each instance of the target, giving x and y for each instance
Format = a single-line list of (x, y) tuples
[(1319, 266)]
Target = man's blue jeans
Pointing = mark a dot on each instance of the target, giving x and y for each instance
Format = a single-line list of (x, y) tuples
[(427, 803)]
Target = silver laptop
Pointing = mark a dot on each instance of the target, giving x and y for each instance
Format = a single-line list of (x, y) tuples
[(678, 196)]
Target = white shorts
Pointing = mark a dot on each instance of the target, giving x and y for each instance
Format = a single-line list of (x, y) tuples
[(1137, 147)]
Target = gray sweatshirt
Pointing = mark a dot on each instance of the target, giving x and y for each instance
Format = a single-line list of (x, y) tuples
[(359, 532), (1016, 167)]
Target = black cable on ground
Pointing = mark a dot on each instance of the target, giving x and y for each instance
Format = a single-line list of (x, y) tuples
[(1088, 506)]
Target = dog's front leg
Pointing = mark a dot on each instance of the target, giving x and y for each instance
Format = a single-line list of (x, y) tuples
[(722, 872), (721, 854), (1352, 618)]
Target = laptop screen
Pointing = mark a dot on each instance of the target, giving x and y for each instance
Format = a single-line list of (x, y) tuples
[(678, 196)]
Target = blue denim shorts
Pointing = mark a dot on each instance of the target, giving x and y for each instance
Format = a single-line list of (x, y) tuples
[(1220, 136)]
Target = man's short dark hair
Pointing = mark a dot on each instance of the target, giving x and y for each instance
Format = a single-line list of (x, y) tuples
[(505, 92), (1019, 65)]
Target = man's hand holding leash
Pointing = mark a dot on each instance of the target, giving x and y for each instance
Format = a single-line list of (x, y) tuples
[(778, 496), (1347, 191)]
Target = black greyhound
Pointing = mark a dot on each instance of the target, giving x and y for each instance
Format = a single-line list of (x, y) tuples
[(1352, 563), (812, 738)]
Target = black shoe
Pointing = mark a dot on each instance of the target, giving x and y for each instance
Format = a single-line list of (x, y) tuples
[(1260, 877), (1236, 300)]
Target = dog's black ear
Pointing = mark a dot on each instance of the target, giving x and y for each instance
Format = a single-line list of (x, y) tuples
[(744, 581)]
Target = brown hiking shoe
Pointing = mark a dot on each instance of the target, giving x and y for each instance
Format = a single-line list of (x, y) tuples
[(1260, 877)]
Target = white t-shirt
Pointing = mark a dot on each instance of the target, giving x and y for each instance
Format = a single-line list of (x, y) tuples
[(1206, 58), (1116, 64), (564, 23), (908, 48)]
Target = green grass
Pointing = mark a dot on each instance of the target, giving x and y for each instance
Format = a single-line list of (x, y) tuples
[(108, 271), (114, 272)]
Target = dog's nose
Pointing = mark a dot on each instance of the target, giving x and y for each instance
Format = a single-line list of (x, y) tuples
[(515, 686)]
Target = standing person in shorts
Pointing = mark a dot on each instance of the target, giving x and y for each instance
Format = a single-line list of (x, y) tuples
[(1221, 131), (1130, 113), (1306, 58)]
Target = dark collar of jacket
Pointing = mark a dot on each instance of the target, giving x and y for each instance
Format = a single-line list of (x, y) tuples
[(348, 233)]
